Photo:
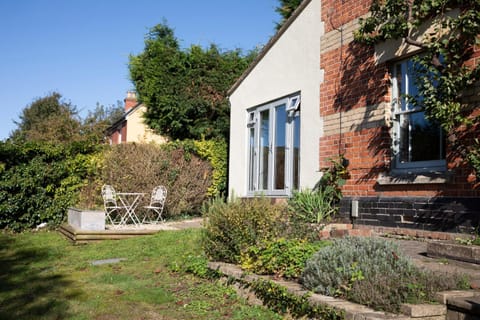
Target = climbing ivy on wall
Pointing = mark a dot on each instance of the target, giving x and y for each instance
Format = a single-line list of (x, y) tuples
[(446, 71)]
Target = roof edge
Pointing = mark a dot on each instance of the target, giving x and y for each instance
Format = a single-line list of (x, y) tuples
[(123, 118), (269, 45)]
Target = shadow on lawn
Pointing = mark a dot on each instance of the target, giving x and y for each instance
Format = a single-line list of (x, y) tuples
[(29, 292)]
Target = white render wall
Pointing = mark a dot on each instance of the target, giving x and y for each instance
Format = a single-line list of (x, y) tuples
[(292, 64)]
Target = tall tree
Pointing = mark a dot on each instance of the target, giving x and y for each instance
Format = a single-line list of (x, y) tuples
[(286, 8), (185, 90), (52, 119), (98, 120), (48, 119)]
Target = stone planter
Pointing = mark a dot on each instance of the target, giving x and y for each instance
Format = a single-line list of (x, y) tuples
[(86, 219)]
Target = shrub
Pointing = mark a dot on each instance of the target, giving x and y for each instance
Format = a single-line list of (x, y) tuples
[(281, 257), (141, 167), (372, 272), (39, 181), (216, 152), (232, 227)]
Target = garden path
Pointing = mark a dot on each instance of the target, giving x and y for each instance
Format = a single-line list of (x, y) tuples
[(417, 251)]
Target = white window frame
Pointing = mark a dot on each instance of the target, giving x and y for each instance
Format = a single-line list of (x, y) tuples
[(399, 101), (292, 110), (120, 135)]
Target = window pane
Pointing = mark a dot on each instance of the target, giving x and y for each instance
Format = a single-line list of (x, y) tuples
[(426, 139), (404, 139), (279, 165), (420, 140), (296, 153), (264, 149), (251, 158), (400, 85)]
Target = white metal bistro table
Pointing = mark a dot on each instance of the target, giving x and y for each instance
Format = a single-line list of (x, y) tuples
[(130, 200)]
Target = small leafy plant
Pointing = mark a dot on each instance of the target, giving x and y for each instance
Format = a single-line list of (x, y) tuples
[(278, 299), (313, 206), (195, 264), (282, 257), (320, 204), (473, 240)]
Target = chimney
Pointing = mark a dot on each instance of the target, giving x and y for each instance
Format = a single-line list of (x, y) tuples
[(130, 100)]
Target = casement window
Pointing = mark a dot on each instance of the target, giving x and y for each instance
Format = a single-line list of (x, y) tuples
[(418, 144), (273, 132)]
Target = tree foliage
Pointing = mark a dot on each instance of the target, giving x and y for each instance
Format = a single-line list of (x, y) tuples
[(286, 9), (48, 119), (185, 90), (54, 120), (445, 70), (97, 121)]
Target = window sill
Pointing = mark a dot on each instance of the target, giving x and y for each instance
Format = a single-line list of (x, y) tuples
[(266, 195), (414, 178)]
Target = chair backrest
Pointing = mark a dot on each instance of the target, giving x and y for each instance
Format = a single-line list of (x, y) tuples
[(109, 195), (159, 195)]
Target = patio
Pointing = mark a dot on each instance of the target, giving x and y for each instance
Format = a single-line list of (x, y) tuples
[(115, 232)]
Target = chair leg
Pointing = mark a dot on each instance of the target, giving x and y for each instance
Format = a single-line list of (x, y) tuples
[(153, 216), (112, 216)]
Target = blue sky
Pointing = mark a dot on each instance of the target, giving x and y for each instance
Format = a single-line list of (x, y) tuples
[(80, 48)]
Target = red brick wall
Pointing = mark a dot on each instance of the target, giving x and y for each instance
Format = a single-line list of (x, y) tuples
[(352, 80), (122, 128), (339, 12)]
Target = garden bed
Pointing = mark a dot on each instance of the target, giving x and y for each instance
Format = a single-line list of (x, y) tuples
[(331, 307)]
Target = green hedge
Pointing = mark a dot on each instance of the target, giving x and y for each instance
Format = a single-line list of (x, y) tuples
[(38, 182)]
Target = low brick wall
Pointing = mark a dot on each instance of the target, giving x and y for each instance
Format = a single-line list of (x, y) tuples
[(340, 230), (453, 215)]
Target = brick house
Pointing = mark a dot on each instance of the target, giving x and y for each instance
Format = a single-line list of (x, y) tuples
[(131, 127), (315, 93)]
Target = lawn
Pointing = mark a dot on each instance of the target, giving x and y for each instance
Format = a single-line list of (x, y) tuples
[(43, 276)]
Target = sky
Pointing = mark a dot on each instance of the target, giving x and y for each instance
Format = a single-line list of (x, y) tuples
[(81, 48)]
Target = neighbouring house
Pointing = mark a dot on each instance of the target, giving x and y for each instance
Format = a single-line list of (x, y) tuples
[(313, 94), (131, 127)]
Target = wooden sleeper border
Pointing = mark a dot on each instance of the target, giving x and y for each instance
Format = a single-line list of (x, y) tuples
[(83, 236)]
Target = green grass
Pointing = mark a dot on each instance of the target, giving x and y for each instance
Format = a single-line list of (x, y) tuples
[(43, 276)]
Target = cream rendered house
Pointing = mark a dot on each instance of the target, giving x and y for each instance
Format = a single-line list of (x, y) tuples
[(275, 120), (131, 127)]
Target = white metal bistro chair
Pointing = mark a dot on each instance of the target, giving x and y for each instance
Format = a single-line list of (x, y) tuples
[(113, 212), (157, 203)]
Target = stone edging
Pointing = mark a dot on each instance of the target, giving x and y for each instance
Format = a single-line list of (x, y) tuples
[(351, 311), (335, 230), (466, 253)]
